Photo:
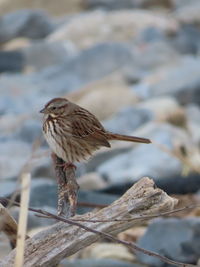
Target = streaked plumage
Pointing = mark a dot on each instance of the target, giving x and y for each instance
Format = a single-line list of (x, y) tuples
[(73, 133)]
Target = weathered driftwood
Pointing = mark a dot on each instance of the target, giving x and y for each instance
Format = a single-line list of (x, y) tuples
[(61, 240)]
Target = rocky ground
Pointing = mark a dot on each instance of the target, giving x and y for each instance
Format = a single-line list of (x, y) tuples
[(136, 65)]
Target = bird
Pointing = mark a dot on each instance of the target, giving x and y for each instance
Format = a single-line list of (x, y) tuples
[(73, 133)]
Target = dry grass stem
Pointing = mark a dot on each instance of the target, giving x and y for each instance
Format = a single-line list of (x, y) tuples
[(23, 216)]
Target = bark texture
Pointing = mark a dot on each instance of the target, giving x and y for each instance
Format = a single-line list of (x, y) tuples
[(61, 240)]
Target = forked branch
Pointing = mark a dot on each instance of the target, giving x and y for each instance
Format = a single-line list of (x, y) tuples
[(67, 186)]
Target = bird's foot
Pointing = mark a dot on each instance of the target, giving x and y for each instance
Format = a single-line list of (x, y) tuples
[(66, 165)]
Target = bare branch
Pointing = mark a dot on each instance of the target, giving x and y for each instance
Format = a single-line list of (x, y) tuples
[(67, 187), (61, 240)]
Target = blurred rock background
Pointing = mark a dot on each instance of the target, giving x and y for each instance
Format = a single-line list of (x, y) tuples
[(136, 65)]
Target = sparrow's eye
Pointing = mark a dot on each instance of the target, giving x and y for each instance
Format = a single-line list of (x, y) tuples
[(53, 108)]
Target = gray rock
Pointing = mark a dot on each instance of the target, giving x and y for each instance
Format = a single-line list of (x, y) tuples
[(19, 93), (43, 54), (11, 61), (29, 131), (182, 79), (44, 194), (125, 4), (157, 53), (94, 198), (178, 239), (127, 120), (25, 23), (141, 162), (101, 26), (180, 3), (187, 39), (7, 187), (34, 221), (38, 200), (187, 12), (144, 160), (14, 154), (110, 4), (100, 159), (101, 60), (193, 113), (149, 35), (35, 89), (43, 166), (181, 187), (97, 263)]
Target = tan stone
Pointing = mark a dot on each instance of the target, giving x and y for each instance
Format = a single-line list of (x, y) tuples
[(91, 181), (51, 6), (108, 251), (132, 234), (15, 44), (105, 97), (165, 108)]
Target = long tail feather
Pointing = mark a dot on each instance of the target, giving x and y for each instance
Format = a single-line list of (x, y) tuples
[(128, 138)]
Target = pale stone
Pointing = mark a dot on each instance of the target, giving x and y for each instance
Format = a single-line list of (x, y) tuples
[(100, 26), (162, 107), (91, 181), (189, 13), (108, 250), (17, 43), (105, 97)]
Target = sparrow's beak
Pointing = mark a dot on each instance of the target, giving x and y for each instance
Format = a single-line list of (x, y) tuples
[(43, 110)]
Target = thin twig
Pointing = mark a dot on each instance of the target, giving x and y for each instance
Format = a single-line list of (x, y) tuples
[(142, 217)]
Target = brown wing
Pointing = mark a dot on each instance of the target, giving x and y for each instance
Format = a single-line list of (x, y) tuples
[(86, 125)]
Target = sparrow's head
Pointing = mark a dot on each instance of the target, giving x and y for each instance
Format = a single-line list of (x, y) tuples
[(56, 107)]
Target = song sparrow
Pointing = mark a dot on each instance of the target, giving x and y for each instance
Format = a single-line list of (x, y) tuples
[(73, 133)]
